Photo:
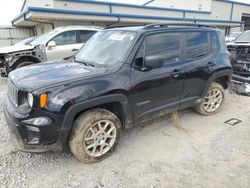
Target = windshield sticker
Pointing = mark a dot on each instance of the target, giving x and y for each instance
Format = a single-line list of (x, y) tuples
[(117, 37)]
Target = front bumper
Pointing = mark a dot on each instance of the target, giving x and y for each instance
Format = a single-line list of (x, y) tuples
[(23, 137)]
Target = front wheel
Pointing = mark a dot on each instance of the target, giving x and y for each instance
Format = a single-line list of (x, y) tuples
[(94, 135), (213, 100)]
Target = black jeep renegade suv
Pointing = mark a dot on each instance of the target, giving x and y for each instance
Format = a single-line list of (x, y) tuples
[(120, 77)]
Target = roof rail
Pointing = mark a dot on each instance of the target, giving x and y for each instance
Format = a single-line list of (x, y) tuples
[(159, 25), (124, 25)]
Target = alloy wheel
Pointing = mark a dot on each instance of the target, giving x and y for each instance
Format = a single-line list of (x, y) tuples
[(100, 138), (213, 100)]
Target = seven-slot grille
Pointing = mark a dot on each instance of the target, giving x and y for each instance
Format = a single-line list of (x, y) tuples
[(13, 93)]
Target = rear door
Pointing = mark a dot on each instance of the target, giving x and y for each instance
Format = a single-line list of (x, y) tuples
[(199, 64), (160, 88)]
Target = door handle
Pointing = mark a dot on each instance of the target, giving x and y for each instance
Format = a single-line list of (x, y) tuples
[(176, 73), (74, 49)]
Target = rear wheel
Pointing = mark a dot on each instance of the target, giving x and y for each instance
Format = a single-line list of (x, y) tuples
[(213, 100), (95, 135)]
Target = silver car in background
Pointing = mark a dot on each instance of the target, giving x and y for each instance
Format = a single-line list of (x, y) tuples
[(231, 37)]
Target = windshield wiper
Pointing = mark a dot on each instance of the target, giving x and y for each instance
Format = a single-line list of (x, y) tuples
[(84, 62)]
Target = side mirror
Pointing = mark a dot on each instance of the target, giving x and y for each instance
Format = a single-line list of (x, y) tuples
[(153, 62), (51, 44)]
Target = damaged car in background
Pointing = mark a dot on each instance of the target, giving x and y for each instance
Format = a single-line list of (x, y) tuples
[(59, 43), (232, 36), (240, 50)]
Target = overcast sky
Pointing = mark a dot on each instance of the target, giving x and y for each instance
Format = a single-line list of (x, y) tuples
[(9, 9)]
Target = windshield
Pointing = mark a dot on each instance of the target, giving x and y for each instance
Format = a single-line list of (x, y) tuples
[(44, 37), (244, 37), (106, 47)]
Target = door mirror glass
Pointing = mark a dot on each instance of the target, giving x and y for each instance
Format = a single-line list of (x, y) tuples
[(153, 62), (51, 44)]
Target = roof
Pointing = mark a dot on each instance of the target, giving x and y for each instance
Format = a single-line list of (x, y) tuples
[(94, 28), (162, 26), (112, 16)]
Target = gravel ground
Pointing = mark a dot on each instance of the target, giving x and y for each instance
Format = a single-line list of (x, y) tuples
[(207, 153)]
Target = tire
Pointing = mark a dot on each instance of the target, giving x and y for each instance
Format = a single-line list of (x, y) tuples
[(210, 105), (22, 64), (87, 139)]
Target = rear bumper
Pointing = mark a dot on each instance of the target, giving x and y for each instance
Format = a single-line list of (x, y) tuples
[(21, 136)]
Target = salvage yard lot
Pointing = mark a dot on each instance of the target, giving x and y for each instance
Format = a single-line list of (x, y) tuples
[(207, 153)]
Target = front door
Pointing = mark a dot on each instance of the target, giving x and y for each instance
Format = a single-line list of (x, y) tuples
[(66, 46), (153, 90)]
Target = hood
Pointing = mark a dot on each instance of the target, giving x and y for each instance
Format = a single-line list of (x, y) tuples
[(11, 49), (33, 77)]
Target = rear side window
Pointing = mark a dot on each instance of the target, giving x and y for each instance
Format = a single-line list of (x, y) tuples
[(197, 44), (85, 35), (166, 46), (214, 41)]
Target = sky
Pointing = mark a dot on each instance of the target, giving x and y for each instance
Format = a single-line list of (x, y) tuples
[(9, 9)]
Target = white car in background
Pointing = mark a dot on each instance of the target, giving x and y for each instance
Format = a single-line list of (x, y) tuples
[(231, 37), (56, 44)]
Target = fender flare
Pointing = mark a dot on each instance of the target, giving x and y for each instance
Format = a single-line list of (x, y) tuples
[(77, 108), (220, 73)]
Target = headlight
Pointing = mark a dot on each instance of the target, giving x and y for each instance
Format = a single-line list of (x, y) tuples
[(30, 99)]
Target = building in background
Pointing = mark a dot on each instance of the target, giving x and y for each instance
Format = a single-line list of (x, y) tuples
[(12, 35), (48, 14)]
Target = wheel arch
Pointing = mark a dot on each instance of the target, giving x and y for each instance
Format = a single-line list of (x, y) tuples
[(116, 103), (25, 58), (222, 77)]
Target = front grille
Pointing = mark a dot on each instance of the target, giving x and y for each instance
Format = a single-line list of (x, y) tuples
[(13, 93)]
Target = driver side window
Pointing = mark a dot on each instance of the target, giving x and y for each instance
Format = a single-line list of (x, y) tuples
[(165, 46), (67, 37)]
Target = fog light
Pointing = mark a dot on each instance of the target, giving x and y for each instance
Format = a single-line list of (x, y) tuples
[(38, 121), (35, 140), (31, 128)]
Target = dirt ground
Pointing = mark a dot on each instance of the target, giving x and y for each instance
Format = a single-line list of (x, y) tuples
[(209, 153)]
